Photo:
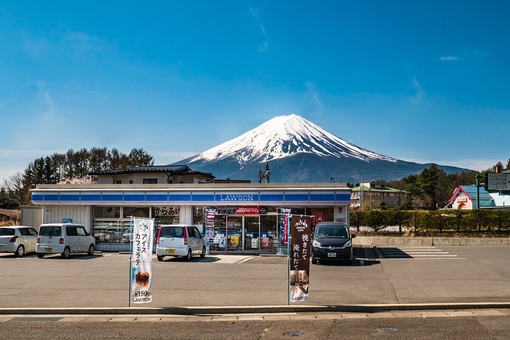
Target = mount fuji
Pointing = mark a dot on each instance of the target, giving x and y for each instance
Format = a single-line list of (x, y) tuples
[(297, 150)]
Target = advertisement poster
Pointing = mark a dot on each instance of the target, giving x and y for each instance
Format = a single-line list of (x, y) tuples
[(284, 232), (299, 257), (210, 215), (141, 260)]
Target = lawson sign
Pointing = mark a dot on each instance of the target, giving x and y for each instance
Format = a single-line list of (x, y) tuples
[(189, 197)]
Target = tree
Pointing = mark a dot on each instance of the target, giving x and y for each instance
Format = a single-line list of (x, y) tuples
[(70, 167), (428, 182), (15, 191), (138, 157), (98, 160)]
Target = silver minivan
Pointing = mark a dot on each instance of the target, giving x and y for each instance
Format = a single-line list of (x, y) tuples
[(64, 239), (179, 240)]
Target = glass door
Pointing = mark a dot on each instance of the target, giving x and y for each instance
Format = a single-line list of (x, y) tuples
[(268, 233), (251, 233), (234, 233)]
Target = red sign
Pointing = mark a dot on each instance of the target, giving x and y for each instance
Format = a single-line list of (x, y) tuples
[(247, 210)]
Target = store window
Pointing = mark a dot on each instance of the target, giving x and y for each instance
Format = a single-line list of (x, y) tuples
[(166, 214), (109, 231), (135, 212), (198, 215), (106, 212)]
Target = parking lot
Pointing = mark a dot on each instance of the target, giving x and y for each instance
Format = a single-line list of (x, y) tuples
[(424, 275)]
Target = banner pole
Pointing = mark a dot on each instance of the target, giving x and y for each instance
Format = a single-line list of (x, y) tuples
[(130, 257), (288, 258)]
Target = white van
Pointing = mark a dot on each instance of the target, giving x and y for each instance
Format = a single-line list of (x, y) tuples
[(179, 240), (64, 239)]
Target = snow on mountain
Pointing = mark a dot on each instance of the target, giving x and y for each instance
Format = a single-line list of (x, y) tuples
[(299, 151), (286, 136)]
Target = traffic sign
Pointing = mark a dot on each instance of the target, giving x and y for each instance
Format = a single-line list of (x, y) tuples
[(498, 181)]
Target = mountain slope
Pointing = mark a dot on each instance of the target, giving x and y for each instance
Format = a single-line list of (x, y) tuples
[(299, 151)]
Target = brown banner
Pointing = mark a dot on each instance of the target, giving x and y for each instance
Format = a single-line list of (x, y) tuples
[(300, 242)]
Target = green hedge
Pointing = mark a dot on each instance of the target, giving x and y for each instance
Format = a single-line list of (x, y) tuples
[(433, 220)]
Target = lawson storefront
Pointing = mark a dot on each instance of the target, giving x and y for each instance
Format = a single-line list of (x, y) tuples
[(237, 217)]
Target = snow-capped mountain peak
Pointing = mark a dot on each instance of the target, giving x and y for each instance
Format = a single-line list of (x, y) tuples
[(285, 136)]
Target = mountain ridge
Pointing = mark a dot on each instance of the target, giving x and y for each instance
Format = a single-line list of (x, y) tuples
[(298, 150)]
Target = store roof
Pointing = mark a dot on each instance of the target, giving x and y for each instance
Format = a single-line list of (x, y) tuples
[(174, 169)]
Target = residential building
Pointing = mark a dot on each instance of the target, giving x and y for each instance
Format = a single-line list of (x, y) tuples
[(156, 174), (465, 197), (376, 196)]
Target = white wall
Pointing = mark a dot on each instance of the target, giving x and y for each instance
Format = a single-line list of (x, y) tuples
[(79, 214)]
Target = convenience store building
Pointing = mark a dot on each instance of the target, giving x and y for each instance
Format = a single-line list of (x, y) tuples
[(246, 217)]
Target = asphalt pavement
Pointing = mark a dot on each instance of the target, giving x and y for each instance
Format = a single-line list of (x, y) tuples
[(427, 291)]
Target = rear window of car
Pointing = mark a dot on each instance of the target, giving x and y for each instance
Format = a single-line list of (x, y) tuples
[(50, 231), (6, 232), (172, 232), (27, 232)]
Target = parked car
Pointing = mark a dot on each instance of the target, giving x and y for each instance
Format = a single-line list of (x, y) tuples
[(64, 239), (18, 240), (332, 241), (179, 240)]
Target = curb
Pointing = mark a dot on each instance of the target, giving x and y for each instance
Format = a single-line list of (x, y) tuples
[(375, 308)]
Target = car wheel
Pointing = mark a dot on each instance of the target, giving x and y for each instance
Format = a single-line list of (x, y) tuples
[(203, 252), (160, 257), (20, 251), (188, 257), (66, 253), (91, 250), (39, 255), (314, 260)]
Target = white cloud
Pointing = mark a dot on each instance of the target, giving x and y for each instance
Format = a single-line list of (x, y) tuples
[(449, 58), (50, 112), (254, 12), (419, 93), (310, 88)]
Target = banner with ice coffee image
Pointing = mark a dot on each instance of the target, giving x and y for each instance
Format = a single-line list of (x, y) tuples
[(141, 260)]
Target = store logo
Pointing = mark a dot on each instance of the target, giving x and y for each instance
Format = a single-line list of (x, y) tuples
[(236, 198)]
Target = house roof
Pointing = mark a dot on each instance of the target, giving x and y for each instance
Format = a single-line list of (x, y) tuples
[(501, 200), (376, 189), (12, 214), (174, 169), (471, 192)]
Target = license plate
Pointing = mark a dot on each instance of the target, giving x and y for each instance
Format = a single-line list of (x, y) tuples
[(170, 251), (48, 250), (331, 254)]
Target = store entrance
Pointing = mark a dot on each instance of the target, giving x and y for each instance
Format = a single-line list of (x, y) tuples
[(246, 234)]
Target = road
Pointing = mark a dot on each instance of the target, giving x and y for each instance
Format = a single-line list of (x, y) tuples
[(430, 325), (420, 292)]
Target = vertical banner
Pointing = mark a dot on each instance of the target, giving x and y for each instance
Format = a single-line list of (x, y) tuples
[(299, 269), (284, 230), (210, 215), (141, 260)]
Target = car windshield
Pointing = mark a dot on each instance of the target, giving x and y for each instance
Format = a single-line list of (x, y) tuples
[(331, 231), (6, 232)]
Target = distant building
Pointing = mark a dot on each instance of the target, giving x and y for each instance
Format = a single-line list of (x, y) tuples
[(465, 197), (156, 174), (367, 195)]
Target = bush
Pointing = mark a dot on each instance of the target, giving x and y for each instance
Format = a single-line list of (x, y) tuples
[(434, 221)]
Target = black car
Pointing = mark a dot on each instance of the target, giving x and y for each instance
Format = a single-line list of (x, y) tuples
[(332, 241)]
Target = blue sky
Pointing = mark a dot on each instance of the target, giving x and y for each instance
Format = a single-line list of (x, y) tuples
[(424, 81)]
